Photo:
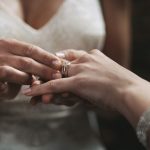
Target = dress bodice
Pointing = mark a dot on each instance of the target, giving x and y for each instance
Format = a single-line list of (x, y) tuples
[(78, 24)]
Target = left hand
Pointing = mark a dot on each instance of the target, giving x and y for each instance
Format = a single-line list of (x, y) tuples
[(67, 99), (92, 76)]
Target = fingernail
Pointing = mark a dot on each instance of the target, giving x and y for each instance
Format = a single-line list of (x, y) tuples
[(56, 63), (26, 91), (60, 54)]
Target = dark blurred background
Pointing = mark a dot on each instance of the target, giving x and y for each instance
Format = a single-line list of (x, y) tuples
[(141, 38), (123, 136)]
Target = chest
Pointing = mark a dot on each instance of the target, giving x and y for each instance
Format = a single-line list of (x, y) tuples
[(38, 13), (77, 25)]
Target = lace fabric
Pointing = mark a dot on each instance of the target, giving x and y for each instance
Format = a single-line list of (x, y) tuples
[(143, 127)]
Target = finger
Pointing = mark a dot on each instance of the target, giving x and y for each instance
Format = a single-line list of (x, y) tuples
[(47, 98), (29, 65), (70, 54), (13, 75), (36, 99), (54, 86), (28, 50)]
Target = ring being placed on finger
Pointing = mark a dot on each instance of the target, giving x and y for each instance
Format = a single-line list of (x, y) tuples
[(65, 68)]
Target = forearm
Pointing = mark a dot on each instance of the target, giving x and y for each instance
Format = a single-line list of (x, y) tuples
[(136, 100)]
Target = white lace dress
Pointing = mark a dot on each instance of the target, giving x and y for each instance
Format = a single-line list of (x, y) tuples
[(78, 24)]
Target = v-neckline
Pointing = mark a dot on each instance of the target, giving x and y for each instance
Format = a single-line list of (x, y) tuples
[(46, 24)]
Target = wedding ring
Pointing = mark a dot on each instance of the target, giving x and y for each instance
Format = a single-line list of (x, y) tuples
[(65, 68)]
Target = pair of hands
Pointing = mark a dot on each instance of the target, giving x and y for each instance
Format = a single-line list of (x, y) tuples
[(18, 61), (93, 77)]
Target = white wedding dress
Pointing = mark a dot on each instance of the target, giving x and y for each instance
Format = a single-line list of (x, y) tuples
[(78, 24)]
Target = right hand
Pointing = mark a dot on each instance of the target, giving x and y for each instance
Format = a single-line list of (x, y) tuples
[(19, 60)]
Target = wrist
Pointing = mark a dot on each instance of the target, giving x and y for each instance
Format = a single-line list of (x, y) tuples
[(135, 100)]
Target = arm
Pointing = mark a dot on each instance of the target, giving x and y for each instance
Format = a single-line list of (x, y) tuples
[(117, 17)]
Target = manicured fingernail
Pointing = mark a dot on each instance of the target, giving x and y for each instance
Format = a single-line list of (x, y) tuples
[(26, 91), (56, 63), (60, 54)]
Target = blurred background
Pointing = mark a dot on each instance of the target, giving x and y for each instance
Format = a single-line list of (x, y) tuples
[(141, 38), (124, 137)]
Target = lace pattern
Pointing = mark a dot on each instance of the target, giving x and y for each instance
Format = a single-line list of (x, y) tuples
[(143, 127)]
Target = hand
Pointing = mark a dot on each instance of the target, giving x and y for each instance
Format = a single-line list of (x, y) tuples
[(92, 76), (18, 60), (67, 99)]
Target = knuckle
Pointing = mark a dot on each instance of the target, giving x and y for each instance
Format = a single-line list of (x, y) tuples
[(25, 63), (84, 58), (46, 59), (29, 50)]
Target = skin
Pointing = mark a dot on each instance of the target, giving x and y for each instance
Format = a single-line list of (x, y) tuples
[(19, 60), (93, 84), (30, 11), (38, 13), (117, 43)]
